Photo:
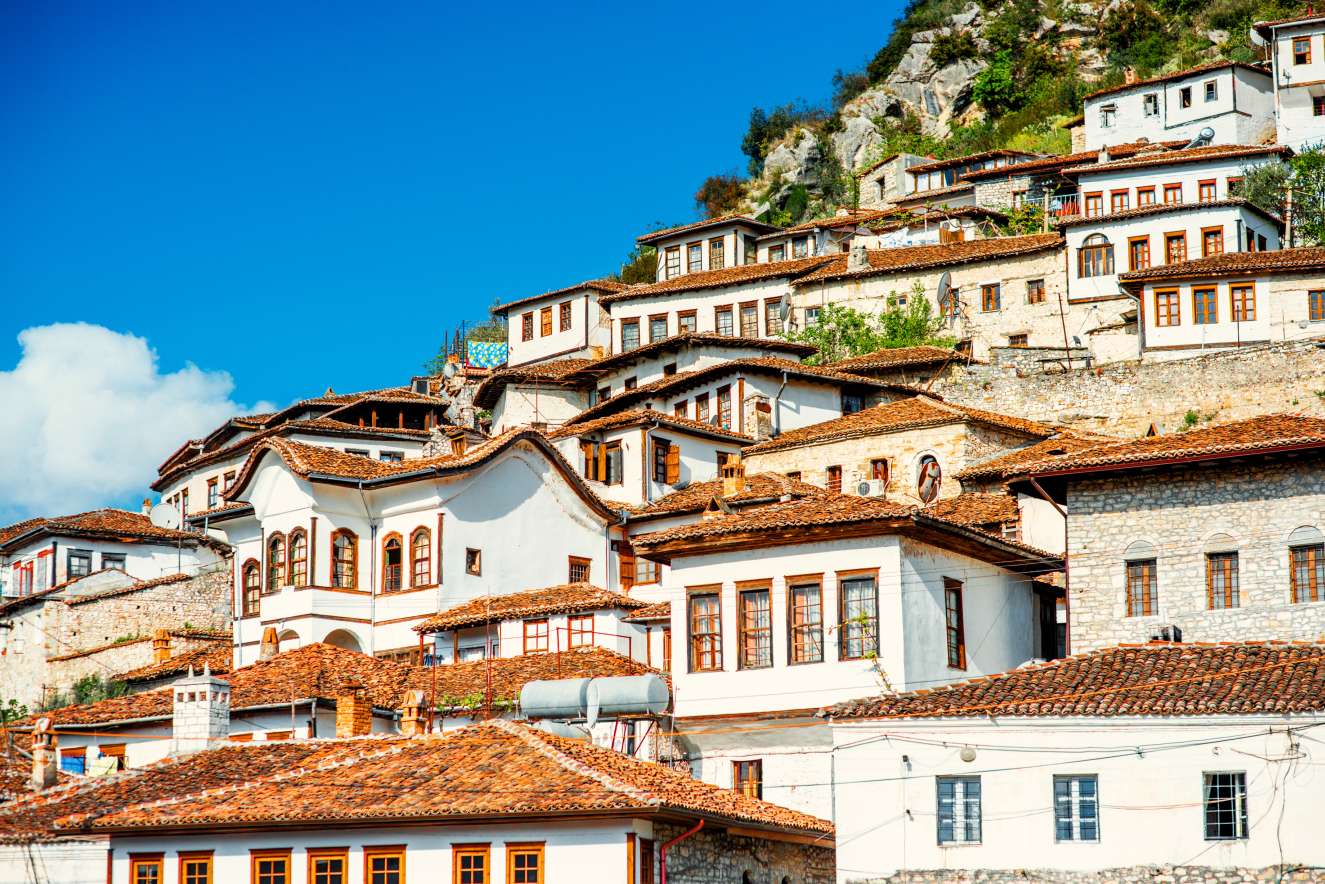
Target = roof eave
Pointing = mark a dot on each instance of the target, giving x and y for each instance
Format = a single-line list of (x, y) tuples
[(1126, 466)]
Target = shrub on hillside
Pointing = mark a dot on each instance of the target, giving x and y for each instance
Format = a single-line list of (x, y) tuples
[(951, 47)]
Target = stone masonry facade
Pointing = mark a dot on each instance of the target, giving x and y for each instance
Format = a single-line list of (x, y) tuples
[(1178, 516), (1127, 875), (713, 856)]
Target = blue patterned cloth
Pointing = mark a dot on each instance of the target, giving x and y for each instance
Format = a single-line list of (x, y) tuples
[(483, 354)]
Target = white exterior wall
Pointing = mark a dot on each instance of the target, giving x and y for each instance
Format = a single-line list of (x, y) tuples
[(506, 638), (802, 403), (1282, 313), (1189, 175), (795, 759), (74, 861), (704, 302), (920, 234), (732, 248), (586, 330), (1297, 126), (699, 462), (1150, 801), (1042, 526), (145, 561), (1241, 113), (523, 404), (689, 358)]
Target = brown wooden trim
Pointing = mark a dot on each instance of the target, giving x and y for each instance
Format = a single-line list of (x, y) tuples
[(439, 550), (340, 853), (285, 853), (382, 850), (400, 619), (630, 858), (790, 837), (458, 850), (337, 617), (312, 549)]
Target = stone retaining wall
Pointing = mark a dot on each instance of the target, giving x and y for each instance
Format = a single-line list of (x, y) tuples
[(1128, 875), (711, 856)]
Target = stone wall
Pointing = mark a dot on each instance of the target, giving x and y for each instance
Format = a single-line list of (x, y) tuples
[(1180, 514), (63, 671), (1128, 875), (996, 193), (711, 856), (1126, 398)]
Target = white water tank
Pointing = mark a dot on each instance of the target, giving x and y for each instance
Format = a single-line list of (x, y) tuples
[(627, 695), (564, 698)]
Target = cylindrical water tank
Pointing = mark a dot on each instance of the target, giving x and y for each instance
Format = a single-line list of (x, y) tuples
[(627, 695), (561, 729), (559, 698)]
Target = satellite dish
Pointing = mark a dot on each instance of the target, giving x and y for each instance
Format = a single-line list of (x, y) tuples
[(448, 370), (1256, 38), (945, 285), (953, 224), (929, 479), (165, 516), (784, 308)]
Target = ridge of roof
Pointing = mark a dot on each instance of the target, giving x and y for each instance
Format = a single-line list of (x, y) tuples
[(970, 158), (600, 284), (900, 260), (1058, 161), (896, 357), (564, 598), (756, 489), (1176, 75), (104, 522), (647, 416), (1012, 463), (729, 218), (1183, 155), (727, 276), (1277, 261)]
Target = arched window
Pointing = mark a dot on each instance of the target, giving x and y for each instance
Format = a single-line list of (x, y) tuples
[(1095, 257), (344, 559), (392, 560), (251, 587), (275, 562), (1140, 563), (420, 557), (1306, 561), (298, 557)]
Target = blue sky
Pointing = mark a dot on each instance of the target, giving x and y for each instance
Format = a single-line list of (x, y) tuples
[(310, 195)]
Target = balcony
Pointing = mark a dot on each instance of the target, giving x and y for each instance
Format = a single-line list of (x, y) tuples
[(1064, 206)]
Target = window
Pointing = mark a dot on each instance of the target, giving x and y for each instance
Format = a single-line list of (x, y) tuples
[(629, 383), (1145, 196), (78, 563), (270, 866), (1185, 96), (344, 559), (1225, 797), (702, 407), (716, 260), (1318, 105), (852, 403), (681, 409), (474, 562), (629, 335), (990, 297), (184, 501), (298, 566), (1233, 184), (724, 396), (1142, 599), (1138, 253), (1172, 193), (959, 810), (750, 250), (1018, 200), (694, 257), (756, 629), (1316, 305), (1035, 291), (602, 462), (705, 632), (112, 560), (545, 322), (1211, 90), (535, 636), (859, 600), (773, 318), (954, 623), (114, 751), (666, 462), (1095, 257), (1301, 50), (1205, 191), (776, 253), (527, 327), (1167, 311), (1107, 115), (195, 867), (1118, 200), (578, 570), (469, 864), (384, 865), (800, 247), (657, 328), (1204, 306), (1306, 573), (833, 479), (722, 321), (420, 557), (524, 862), (275, 562), (1243, 297), (879, 469), (1212, 241), (1076, 808), (1221, 580), (1094, 204), (646, 570), (1150, 104), (686, 322), (213, 493), (390, 456), (748, 778), (328, 865), (359, 452), (145, 868), (252, 588), (750, 320), (807, 631), (229, 480), (393, 563), (811, 316), (580, 630), (672, 262), (1175, 248), (564, 316)]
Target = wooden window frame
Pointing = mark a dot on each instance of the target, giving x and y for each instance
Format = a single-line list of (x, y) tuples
[(382, 851), (293, 576), (323, 853), (724, 409), (250, 607), (1175, 236), (1314, 590), (1315, 305), (400, 566), (681, 409), (1211, 314), (1104, 261), (527, 326), (336, 563), (743, 783), (718, 313), (630, 323), (1145, 192), (777, 253), (1232, 590), (741, 314), (473, 561), (565, 316), (538, 635), (194, 856), (773, 325), (658, 317), (141, 860), (744, 631), (696, 248), (1171, 315), (516, 848), (682, 316), (1248, 315), (843, 632), (1304, 56), (668, 253), (717, 253), (1318, 105), (1021, 339), (1133, 241), (833, 477), (255, 856), (415, 580), (954, 632), (1207, 184), (812, 632), (1185, 97), (1035, 291), (711, 652), (702, 413), (213, 493), (275, 567), (991, 293), (483, 850), (1149, 602), (576, 635), (1172, 189), (572, 562), (1119, 200), (1205, 232), (545, 321), (1092, 204), (880, 469)]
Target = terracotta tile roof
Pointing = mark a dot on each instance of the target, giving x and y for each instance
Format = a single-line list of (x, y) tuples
[(959, 187), (204, 634), (756, 489), (861, 173), (564, 599), (216, 657), (508, 675), (801, 512), (1262, 26), (850, 218), (556, 373), (1190, 155), (137, 586), (1300, 260), (1177, 75), (1264, 434), (896, 357), (1160, 679), (14, 530), (679, 342), (108, 523), (709, 279), (883, 261), (639, 417), (923, 214), (652, 613), (734, 217), (893, 417), (437, 778), (595, 285), (1013, 463), (1059, 162), (225, 509), (1164, 209), (970, 158), (975, 510)]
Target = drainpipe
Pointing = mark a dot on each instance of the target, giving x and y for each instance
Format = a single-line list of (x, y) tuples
[(648, 463), (607, 543), (312, 720), (372, 572), (777, 407), (662, 852)]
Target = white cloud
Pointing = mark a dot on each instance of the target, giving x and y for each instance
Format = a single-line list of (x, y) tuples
[(88, 417)]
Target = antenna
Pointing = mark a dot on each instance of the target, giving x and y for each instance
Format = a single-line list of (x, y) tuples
[(784, 308), (164, 515)]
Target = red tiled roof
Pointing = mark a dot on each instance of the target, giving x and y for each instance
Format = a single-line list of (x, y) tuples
[(959, 187), (638, 417), (436, 778), (975, 510), (909, 217), (883, 261), (1058, 162), (564, 599), (1301, 260), (861, 173), (1164, 209), (120, 525), (709, 279), (1170, 157), (1177, 75), (216, 656), (781, 516), (756, 489), (851, 218), (1013, 463), (1257, 435), (596, 285), (1262, 26), (506, 676), (678, 342), (652, 613), (893, 417), (896, 357), (1159, 679), (734, 217), (555, 373), (969, 158)]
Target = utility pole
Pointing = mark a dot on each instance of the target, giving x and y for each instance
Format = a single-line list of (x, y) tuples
[(1288, 208)]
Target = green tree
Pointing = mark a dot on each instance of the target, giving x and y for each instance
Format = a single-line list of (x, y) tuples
[(641, 266), (1023, 220), (720, 195), (12, 710), (841, 332), (1267, 186)]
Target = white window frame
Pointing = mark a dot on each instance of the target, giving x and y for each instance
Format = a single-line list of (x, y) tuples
[(966, 811), (1072, 804)]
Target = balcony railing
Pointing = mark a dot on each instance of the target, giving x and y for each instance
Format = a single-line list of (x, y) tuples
[(1064, 206)]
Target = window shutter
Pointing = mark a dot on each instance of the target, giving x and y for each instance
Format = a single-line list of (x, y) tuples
[(626, 567), (602, 462), (673, 464)]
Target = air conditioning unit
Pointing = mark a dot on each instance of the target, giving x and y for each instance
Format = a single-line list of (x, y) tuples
[(871, 488)]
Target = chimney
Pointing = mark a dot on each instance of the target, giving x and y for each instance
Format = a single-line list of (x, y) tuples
[(271, 645), (733, 477), (44, 769), (1129, 76), (1103, 155), (160, 646), (202, 712), (354, 713), (411, 715), (147, 506), (858, 258)]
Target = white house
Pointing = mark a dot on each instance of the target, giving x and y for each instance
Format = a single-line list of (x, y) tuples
[(565, 323), (1234, 100), (1108, 764), (818, 236), (1297, 65), (884, 181), (703, 246), (943, 183)]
